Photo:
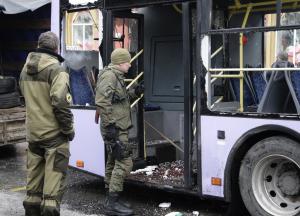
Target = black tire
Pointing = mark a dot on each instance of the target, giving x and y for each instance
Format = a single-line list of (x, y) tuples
[(7, 85), (269, 178), (236, 208), (9, 100)]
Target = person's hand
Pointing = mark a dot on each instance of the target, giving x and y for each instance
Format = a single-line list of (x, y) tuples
[(111, 132), (139, 89), (71, 135)]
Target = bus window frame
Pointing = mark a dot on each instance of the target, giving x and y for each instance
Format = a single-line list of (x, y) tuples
[(204, 29)]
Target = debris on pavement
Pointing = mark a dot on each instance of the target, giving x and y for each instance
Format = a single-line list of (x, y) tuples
[(148, 170), (165, 205), (195, 213), (168, 173), (174, 214), (85, 194)]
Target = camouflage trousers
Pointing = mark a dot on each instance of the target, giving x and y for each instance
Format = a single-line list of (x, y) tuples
[(117, 170), (46, 175)]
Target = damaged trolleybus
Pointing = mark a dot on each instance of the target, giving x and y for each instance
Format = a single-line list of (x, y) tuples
[(220, 111)]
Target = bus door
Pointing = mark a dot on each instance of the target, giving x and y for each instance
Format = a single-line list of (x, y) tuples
[(125, 30)]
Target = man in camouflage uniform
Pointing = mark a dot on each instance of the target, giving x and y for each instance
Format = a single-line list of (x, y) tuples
[(49, 123), (113, 104)]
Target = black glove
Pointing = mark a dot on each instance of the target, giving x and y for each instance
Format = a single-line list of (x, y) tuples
[(139, 89), (111, 132), (71, 135)]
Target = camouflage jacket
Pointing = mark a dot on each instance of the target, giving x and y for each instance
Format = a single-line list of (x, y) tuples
[(45, 87), (112, 98)]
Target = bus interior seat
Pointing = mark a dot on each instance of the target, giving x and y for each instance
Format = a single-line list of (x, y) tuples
[(81, 87), (233, 104), (277, 95), (250, 101), (259, 84), (293, 81), (249, 96)]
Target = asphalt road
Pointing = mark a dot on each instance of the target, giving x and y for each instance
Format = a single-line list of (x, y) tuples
[(85, 193)]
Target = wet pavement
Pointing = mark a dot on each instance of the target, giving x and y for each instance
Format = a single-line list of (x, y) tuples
[(85, 193)]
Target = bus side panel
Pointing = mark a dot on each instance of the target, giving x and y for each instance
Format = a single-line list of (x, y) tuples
[(88, 145), (215, 151)]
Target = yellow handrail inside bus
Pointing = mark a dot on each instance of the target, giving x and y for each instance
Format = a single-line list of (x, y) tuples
[(239, 76), (259, 4), (213, 70), (227, 76), (216, 52), (237, 4), (134, 80), (287, 7), (164, 136), (263, 6), (177, 9), (242, 58), (137, 100), (136, 56)]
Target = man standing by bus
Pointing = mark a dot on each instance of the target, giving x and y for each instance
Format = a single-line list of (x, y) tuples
[(113, 102), (49, 125)]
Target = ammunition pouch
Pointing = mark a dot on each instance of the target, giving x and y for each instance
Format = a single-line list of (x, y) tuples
[(111, 132), (50, 211), (61, 160), (117, 149), (117, 98)]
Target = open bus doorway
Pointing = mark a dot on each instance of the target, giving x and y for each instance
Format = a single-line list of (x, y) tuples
[(128, 33), (158, 129)]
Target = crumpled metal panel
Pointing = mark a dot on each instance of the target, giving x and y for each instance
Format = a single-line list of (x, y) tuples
[(80, 4), (117, 4)]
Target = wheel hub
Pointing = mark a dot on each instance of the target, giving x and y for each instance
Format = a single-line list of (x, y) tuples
[(289, 183), (276, 185)]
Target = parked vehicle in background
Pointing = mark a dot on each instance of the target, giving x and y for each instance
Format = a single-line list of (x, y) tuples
[(20, 27)]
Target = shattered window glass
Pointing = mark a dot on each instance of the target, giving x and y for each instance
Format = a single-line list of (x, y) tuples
[(82, 30), (285, 41)]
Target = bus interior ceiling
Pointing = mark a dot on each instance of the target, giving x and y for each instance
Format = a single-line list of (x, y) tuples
[(19, 35)]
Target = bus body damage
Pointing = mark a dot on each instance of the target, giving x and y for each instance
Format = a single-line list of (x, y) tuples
[(214, 72)]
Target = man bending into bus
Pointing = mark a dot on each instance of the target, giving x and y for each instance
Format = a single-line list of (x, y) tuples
[(49, 125), (113, 102)]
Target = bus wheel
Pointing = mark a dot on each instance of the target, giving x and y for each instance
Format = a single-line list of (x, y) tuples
[(269, 178)]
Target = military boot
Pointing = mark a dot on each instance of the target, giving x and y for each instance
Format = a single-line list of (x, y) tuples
[(124, 203), (32, 209), (114, 208), (50, 208)]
